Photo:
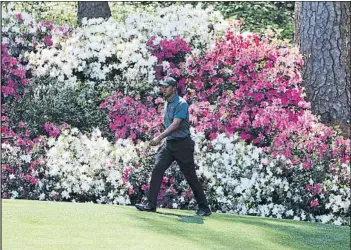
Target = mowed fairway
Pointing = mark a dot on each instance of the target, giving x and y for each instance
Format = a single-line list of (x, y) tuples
[(57, 225)]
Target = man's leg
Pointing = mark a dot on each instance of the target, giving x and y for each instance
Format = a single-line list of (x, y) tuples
[(185, 160), (163, 160)]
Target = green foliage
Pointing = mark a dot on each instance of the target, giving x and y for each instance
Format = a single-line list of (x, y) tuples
[(59, 12), (42, 103), (120, 10), (260, 16)]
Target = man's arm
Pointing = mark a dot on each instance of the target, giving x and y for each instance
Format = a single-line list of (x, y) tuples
[(173, 127)]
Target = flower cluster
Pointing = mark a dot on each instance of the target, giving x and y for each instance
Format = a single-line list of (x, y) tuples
[(171, 56), (81, 168), (22, 158), (13, 74), (124, 63), (54, 130), (172, 50), (238, 178), (309, 144), (243, 179), (252, 83), (22, 161), (130, 118)]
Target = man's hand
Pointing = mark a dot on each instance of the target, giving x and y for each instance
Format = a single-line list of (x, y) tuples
[(155, 141)]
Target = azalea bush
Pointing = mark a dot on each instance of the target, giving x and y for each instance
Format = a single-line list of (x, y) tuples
[(130, 118), (253, 85), (22, 162), (59, 12), (22, 155), (21, 34), (238, 178), (84, 169), (76, 73), (124, 58), (171, 56), (246, 180)]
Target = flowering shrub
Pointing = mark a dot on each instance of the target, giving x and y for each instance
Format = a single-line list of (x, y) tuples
[(123, 63), (22, 161), (22, 158), (21, 34), (238, 178), (130, 118), (243, 179), (12, 73), (198, 27), (76, 73), (252, 83), (171, 56), (83, 169)]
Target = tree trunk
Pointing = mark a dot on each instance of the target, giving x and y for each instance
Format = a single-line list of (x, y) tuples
[(93, 10), (322, 32)]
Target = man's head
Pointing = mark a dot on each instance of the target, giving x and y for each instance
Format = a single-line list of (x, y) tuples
[(168, 87)]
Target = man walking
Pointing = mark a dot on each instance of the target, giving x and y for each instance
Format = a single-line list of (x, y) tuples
[(179, 147)]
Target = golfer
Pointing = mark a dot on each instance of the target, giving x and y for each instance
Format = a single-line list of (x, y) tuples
[(179, 147)]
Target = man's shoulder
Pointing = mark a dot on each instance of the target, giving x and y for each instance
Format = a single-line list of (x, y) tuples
[(182, 100)]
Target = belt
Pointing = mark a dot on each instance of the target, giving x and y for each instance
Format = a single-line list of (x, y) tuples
[(178, 139)]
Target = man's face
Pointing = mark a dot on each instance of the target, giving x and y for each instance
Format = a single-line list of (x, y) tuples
[(167, 91)]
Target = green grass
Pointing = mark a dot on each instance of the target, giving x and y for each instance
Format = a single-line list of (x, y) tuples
[(57, 225)]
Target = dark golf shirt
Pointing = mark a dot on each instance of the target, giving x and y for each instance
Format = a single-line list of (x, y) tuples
[(177, 108)]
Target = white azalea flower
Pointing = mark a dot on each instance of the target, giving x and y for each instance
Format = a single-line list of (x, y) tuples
[(14, 194), (26, 158), (42, 196)]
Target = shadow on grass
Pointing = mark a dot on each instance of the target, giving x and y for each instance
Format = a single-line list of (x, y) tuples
[(289, 232), (186, 218)]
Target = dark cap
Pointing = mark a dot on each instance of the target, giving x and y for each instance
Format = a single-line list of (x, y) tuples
[(168, 82)]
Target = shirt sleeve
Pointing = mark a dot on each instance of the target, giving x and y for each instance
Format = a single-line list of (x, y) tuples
[(181, 111)]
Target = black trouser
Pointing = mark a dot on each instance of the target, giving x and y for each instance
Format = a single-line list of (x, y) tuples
[(181, 151)]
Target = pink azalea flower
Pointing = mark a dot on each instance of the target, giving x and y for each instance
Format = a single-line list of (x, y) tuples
[(314, 203), (213, 135), (308, 187), (317, 188), (34, 181), (36, 140), (19, 17), (245, 136), (306, 165), (47, 127), (48, 42), (21, 142), (3, 130)]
